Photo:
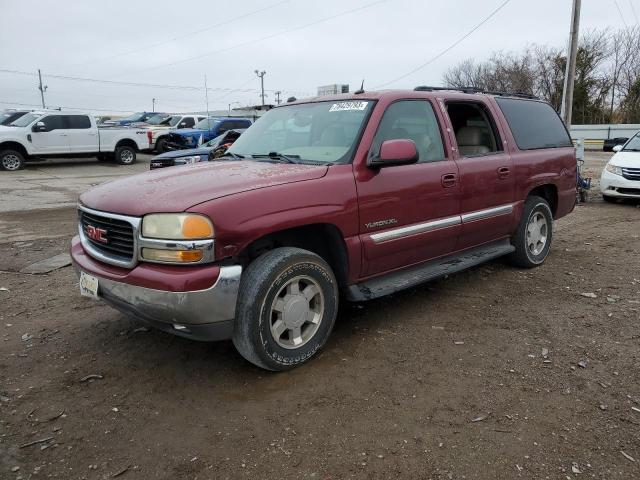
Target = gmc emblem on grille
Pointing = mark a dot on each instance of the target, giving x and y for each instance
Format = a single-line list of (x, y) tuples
[(97, 234)]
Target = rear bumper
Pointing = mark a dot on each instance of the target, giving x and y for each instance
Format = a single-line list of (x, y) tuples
[(205, 314)]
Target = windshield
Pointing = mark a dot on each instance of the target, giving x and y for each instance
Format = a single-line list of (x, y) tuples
[(632, 145), (172, 121), (323, 132), (26, 119), (156, 119), (136, 117), (206, 123)]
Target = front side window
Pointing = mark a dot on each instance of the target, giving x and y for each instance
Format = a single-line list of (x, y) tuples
[(78, 121), (413, 120), (53, 122), (534, 124), (187, 122), (207, 124), (320, 132)]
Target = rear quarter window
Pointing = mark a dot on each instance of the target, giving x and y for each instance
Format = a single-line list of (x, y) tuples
[(534, 124)]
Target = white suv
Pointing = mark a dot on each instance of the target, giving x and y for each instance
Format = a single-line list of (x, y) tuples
[(621, 177)]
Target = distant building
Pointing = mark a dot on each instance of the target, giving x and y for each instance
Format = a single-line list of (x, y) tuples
[(333, 89)]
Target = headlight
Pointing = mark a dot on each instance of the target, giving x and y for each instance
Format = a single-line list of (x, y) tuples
[(192, 159), (613, 169), (177, 226)]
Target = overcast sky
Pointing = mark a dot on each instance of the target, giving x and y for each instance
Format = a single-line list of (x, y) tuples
[(300, 43)]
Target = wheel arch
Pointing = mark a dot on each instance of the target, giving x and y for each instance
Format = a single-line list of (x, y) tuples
[(323, 239), (11, 145), (549, 192), (127, 142)]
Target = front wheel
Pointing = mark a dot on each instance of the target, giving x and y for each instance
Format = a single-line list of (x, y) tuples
[(161, 145), (533, 237), (125, 155), (287, 305), (11, 160)]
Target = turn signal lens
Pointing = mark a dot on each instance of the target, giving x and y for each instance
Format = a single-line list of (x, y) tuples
[(177, 226), (175, 256)]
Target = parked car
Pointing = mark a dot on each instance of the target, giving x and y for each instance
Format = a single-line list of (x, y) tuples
[(208, 151), (133, 118), (204, 131), (355, 196), (41, 135), (609, 143), (621, 177), (9, 116), (157, 134)]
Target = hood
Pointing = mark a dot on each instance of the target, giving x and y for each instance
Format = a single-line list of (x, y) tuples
[(176, 190), (626, 159), (184, 153)]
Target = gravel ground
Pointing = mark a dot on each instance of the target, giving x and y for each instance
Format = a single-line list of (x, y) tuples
[(494, 373)]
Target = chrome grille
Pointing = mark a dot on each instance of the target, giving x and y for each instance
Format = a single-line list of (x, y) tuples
[(116, 241), (631, 173)]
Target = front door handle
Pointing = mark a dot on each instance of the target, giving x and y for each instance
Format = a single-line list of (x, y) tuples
[(503, 172), (449, 180)]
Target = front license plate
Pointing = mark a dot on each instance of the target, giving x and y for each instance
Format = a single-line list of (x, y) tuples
[(88, 285)]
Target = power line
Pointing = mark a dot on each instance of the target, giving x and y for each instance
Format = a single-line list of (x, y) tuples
[(66, 107), (261, 39), (190, 34), (621, 15), (633, 10), (449, 48)]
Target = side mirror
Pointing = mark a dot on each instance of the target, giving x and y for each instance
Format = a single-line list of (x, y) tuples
[(39, 127), (617, 148), (395, 152)]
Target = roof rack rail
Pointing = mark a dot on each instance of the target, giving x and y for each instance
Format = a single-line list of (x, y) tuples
[(424, 88)]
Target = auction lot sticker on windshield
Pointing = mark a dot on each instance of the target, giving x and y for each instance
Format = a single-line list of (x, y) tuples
[(345, 106), (88, 285)]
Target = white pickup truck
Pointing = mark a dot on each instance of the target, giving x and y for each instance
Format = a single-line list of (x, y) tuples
[(51, 134), (157, 134)]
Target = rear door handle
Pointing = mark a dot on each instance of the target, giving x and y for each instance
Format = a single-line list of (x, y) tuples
[(503, 172), (449, 180)]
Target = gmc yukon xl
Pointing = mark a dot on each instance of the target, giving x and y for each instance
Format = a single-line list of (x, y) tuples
[(353, 196)]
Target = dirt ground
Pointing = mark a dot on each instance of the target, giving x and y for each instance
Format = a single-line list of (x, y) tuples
[(494, 373)]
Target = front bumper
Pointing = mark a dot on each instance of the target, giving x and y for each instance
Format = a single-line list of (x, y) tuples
[(612, 185), (204, 314)]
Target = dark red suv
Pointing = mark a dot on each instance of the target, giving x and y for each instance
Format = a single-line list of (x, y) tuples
[(356, 195)]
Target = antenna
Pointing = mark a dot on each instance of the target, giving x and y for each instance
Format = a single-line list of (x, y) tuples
[(361, 90), (206, 96)]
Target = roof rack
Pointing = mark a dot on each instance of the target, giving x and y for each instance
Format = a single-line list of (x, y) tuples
[(424, 88)]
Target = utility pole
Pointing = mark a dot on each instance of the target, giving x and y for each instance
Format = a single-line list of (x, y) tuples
[(153, 104), (278, 97), (570, 73), (261, 75), (41, 88)]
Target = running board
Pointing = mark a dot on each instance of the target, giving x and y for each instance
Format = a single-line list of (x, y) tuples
[(427, 271)]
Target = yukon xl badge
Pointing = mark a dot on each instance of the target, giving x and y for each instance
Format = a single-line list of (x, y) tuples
[(381, 223)]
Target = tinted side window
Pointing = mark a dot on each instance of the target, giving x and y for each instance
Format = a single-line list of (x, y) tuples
[(188, 122), (78, 121), (534, 124), (54, 122), (413, 120)]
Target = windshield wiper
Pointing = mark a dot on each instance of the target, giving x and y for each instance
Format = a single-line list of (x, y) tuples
[(278, 157), (232, 155)]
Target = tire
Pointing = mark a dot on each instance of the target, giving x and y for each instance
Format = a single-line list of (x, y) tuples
[(11, 160), (609, 199), (534, 234), (267, 336), (161, 145), (125, 155)]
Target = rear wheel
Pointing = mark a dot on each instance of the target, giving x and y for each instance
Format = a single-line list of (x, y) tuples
[(125, 155), (11, 160), (533, 237), (286, 309)]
